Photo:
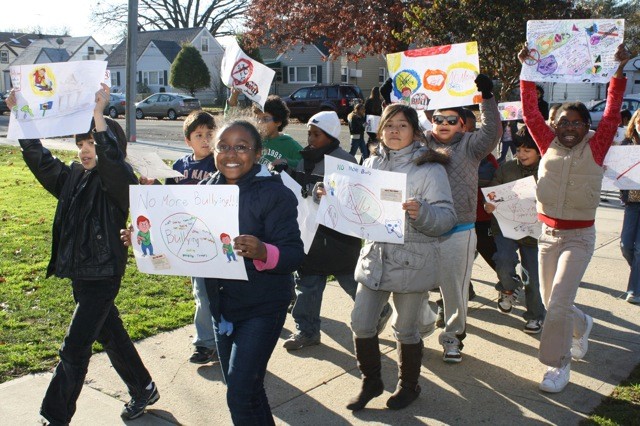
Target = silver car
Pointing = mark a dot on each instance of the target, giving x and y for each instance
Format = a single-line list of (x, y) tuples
[(171, 105), (116, 105), (630, 102)]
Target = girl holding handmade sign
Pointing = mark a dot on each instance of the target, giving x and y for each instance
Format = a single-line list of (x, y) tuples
[(249, 316), (406, 271), (630, 236), (568, 193)]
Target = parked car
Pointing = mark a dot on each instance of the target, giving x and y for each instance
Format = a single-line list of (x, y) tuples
[(630, 102), (3, 104), (307, 101), (171, 105), (116, 105)]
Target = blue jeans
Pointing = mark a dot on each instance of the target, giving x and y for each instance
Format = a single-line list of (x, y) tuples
[(362, 145), (630, 245), (95, 318), (145, 248), (202, 319), (309, 289), (506, 259), (243, 358)]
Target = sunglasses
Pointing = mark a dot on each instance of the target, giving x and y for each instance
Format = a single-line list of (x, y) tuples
[(451, 120)]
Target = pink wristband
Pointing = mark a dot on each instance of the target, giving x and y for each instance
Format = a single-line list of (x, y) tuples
[(273, 255)]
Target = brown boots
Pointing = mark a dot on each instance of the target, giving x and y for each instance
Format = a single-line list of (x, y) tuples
[(368, 356), (408, 389), (409, 362)]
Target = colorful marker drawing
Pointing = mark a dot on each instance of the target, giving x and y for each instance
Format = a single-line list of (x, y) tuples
[(572, 51), (435, 77), (622, 168), (510, 110)]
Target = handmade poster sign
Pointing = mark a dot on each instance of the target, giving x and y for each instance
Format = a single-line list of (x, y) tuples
[(515, 211), (622, 168), (239, 71), (573, 50), (307, 212), (510, 110), (55, 99), (149, 164), (371, 124), (435, 77), (363, 202), (186, 230)]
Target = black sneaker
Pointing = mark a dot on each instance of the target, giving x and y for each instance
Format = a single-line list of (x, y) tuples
[(135, 408), (203, 355)]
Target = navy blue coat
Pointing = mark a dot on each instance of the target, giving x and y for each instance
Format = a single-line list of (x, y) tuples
[(268, 211)]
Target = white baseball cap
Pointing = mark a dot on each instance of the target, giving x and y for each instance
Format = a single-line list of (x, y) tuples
[(327, 121)]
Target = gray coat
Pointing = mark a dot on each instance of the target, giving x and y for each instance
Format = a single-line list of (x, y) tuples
[(410, 267)]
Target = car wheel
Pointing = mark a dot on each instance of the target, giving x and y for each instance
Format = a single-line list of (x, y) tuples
[(171, 114), (113, 113), (139, 114)]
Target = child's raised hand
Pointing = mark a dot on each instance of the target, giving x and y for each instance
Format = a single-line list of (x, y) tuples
[(623, 55), (250, 246), (102, 98), (11, 100), (412, 207), (524, 53)]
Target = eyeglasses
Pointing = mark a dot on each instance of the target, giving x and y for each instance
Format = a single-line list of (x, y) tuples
[(239, 149), (265, 119), (577, 123), (451, 120)]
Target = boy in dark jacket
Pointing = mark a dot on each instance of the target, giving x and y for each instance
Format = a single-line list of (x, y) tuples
[(93, 204)]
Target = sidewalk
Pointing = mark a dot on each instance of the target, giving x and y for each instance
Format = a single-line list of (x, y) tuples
[(496, 383)]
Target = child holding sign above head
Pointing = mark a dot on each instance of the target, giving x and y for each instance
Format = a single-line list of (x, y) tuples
[(93, 204), (405, 271), (249, 316), (568, 193)]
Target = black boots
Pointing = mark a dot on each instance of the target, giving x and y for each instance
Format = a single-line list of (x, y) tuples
[(368, 356), (408, 389)]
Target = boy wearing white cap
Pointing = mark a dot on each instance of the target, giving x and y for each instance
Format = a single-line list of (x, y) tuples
[(331, 253)]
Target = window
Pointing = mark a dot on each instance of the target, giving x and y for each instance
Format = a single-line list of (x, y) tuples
[(114, 79), (316, 93), (204, 44), (90, 50), (303, 75), (382, 75), (4, 57), (344, 75), (153, 77), (301, 94)]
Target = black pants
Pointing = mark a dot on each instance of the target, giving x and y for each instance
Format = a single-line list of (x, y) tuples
[(486, 245), (95, 318)]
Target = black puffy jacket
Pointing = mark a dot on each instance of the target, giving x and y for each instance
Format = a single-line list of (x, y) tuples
[(92, 208)]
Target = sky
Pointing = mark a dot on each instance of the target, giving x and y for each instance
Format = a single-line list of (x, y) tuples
[(53, 17)]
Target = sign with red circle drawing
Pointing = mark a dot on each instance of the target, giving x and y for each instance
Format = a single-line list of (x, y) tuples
[(241, 72)]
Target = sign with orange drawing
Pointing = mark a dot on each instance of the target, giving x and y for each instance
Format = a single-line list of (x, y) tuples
[(572, 50), (435, 77), (55, 99), (510, 110)]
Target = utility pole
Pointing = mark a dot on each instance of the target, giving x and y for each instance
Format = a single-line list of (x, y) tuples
[(131, 70)]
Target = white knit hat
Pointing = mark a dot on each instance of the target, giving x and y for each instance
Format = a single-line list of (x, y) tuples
[(327, 121)]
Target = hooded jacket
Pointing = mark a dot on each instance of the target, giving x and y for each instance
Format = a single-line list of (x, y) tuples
[(411, 267), (268, 211), (92, 208)]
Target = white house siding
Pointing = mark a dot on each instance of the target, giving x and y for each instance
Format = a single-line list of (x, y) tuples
[(12, 54), (213, 59), (153, 60), (369, 67), (296, 57)]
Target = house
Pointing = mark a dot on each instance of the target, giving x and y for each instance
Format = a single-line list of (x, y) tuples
[(156, 51), (11, 46), (305, 65)]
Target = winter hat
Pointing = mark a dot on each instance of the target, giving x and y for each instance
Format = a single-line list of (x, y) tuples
[(328, 121)]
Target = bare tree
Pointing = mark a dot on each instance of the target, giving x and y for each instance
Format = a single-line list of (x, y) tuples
[(220, 17)]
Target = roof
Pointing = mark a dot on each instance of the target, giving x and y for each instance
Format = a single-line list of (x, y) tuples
[(22, 39), (118, 56), (169, 49), (49, 46)]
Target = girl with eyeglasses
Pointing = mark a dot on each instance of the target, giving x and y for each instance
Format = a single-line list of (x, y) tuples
[(568, 193), (405, 271), (457, 247), (249, 315)]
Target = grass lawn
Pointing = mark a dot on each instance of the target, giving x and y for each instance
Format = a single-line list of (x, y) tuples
[(34, 311), (622, 407)]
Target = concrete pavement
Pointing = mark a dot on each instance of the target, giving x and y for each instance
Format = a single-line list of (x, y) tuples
[(496, 382)]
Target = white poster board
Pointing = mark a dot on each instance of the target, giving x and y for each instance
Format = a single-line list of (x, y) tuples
[(510, 110), (307, 212), (435, 77), (240, 71), (515, 211), (572, 50), (149, 164), (622, 168), (363, 202), (55, 99), (371, 124), (186, 230)]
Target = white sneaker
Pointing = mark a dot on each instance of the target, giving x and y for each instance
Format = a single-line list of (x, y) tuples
[(555, 379), (580, 346)]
